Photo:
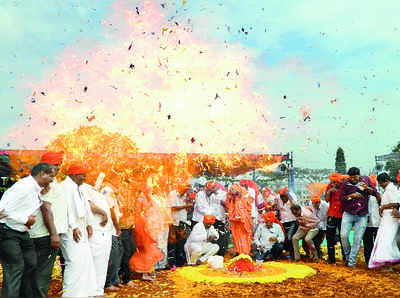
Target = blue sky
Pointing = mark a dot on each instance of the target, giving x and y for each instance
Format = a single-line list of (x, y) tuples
[(339, 58)]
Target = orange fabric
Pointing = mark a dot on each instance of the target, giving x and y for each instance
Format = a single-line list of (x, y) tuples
[(336, 177), (271, 217), (373, 179), (239, 212), (315, 199), (210, 219), (398, 177), (183, 188), (53, 158), (77, 168), (210, 185), (316, 189), (283, 190), (147, 253), (250, 184)]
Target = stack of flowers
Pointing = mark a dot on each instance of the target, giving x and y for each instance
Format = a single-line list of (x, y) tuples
[(242, 263)]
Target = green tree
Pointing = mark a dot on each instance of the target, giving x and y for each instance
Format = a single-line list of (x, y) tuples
[(393, 165), (340, 163)]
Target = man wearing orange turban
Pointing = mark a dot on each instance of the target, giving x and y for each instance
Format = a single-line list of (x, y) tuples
[(79, 275), (238, 203), (50, 223), (334, 216), (287, 219), (269, 238), (200, 244), (211, 200)]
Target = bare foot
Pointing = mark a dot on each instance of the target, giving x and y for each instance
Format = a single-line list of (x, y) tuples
[(130, 284), (111, 288)]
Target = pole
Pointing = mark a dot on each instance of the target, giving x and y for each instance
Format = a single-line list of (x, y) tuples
[(291, 174)]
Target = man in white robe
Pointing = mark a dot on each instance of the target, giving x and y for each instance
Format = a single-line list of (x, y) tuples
[(100, 242), (79, 275), (199, 246)]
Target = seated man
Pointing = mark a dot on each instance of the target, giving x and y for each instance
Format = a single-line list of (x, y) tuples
[(269, 238), (198, 247), (308, 229)]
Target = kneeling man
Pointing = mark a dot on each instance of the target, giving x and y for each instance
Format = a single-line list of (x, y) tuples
[(269, 238), (198, 246)]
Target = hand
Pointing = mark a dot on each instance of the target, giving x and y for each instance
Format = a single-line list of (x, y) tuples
[(272, 239), (105, 219), (55, 241), (119, 233), (45, 190), (355, 195), (89, 230), (396, 213), (76, 234), (2, 215), (211, 238), (31, 221)]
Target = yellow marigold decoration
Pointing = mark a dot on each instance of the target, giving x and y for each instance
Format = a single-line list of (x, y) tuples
[(271, 272)]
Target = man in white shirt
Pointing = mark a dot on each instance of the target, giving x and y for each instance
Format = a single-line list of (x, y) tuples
[(79, 275), (199, 246), (21, 203), (212, 201), (100, 242), (320, 210), (51, 221), (287, 219), (269, 238), (178, 230)]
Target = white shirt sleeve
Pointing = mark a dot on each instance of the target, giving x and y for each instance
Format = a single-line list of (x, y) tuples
[(257, 235), (201, 204), (280, 236)]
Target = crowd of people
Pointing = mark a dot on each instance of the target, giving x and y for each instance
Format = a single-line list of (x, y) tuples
[(100, 242)]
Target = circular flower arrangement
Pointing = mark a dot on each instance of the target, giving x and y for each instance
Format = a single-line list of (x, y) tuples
[(243, 270)]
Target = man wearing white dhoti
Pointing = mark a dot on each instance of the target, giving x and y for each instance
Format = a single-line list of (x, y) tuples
[(100, 242), (386, 251), (198, 246), (79, 275)]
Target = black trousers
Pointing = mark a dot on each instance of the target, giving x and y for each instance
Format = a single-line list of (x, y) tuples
[(176, 252), (114, 262), (369, 240), (290, 229), (128, 242), (333, 227), (18, 256), (46, 256), (276, 252)]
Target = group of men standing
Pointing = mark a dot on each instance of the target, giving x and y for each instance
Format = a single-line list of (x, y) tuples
[(41, 216)]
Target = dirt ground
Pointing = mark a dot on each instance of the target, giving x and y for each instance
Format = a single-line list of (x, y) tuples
[(329, 281)]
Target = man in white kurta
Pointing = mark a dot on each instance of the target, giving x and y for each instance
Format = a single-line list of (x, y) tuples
[(385, 251), (79, 275), (198, 246), (100, 242)]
